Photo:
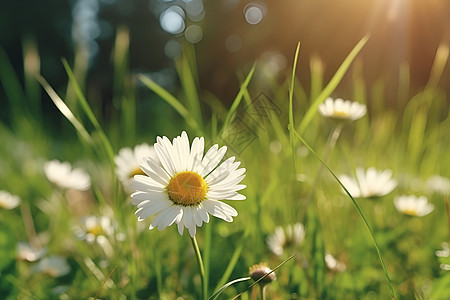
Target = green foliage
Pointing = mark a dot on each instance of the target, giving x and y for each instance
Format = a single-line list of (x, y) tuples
[(285, 185)]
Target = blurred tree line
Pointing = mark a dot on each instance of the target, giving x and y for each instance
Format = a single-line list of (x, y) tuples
[(401, 32)]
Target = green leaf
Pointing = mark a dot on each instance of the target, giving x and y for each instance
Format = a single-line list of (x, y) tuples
[(238, 98), (331, 86), (216, 294), (171, 100)]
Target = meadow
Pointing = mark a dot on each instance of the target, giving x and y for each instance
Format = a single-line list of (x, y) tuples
[(82, 239)]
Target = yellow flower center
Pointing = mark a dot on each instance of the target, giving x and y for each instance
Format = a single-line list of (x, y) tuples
[(136, 171), (410, 212), (96, 230), (187, 188), (340, 114)]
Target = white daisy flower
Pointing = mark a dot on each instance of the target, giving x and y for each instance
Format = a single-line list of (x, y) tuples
[(29, 253), (53, 266), (413, 206), (97, 229), (445, 252), (8, 201), (342, 109), (438, 184), (128, 161), (94, 228), (184, 186), (369, 183), (62, 174), (282, 238), (333, 264)]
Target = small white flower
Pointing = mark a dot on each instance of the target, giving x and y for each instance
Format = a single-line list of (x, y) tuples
[(283, 238), (445, 252), (62, 174), (183, 185), (370, 183), (53, 266), (128, 161), (95, 228), (342, 109), (333, 264), (8, 201), (413, 206), (438, 184), (27, 252)]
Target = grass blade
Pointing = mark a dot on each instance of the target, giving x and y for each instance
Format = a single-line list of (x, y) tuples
[(171, 100), (291, 109), (65, 110), (331, 85), (89, 113), (239, 97), (189, 86), (233, 261), (358, 208), (216, 294)]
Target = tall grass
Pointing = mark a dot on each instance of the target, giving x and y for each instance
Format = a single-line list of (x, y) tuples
[(284, 181)]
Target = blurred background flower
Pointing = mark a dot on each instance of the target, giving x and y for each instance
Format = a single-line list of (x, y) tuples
[(8, 201)]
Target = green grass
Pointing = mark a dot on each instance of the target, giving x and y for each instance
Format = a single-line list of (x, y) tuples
[(286, 183)]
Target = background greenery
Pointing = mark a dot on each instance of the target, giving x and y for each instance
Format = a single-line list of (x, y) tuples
[(406, 130)]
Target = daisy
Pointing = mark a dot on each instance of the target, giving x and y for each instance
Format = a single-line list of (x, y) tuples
[(333, 264), (342, 109), (128, 161), (183, 186), (53, 266), (29, 253), (291, 236), (370, 183), (94, 228), (62, 174), (8, 201), (413, 206), (438, 184), (260, 270)]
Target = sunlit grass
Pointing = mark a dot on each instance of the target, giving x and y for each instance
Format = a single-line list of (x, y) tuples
[(286, 184)]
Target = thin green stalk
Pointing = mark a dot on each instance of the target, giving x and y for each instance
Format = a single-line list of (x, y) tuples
[(65, 110), (233, 261), (238, 98), (206, 256), (291, 110), (198, 255), (263, 292), (358, 208), (84, 104)]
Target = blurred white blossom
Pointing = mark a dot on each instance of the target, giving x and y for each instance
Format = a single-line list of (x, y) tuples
[(369, 183), (62, 174), (128, 161), (288, 237), (413, 206), (342, 109), (8, 201)]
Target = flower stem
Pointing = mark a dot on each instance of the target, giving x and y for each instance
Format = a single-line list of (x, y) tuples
[(263, 292), (200, 266)]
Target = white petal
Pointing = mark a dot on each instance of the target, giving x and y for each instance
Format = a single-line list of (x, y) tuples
[(167, 217), (153, 207), (138, 197), (220, 210), (145, 184), (196, 154)]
